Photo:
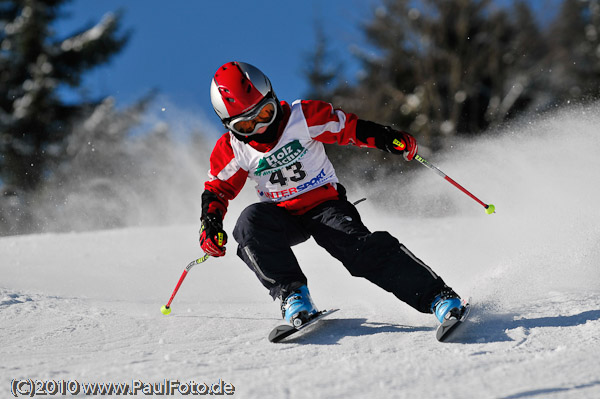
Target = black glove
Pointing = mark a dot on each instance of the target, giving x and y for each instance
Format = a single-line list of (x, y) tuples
[(386, 138), (212, 236)]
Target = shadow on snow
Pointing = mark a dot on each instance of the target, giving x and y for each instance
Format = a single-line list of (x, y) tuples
[(488, 329), (329, 332), (494, 328)]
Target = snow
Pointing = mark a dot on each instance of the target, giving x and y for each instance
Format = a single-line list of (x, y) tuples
[(86, 306)]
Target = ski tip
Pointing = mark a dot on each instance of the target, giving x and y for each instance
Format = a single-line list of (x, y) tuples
[(280, 332), (444, 330), (447, 328)]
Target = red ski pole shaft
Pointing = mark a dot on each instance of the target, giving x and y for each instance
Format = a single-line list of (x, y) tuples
[(166, 309), (489, 208), (183, 275)]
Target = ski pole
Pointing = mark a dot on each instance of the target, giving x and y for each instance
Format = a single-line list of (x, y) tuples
[(166, 309), (489, 208)]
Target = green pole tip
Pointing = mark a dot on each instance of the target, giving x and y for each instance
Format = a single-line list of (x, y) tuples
[(165, 310)]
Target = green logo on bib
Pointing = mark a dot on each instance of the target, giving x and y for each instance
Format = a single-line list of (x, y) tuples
[(284, 156)]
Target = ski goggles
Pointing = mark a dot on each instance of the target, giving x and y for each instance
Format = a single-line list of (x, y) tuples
[(249, 123)]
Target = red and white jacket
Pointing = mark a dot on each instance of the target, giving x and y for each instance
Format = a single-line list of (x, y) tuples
[(294, 172)]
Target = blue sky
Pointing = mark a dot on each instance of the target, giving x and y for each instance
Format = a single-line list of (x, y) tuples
[(177, 45)]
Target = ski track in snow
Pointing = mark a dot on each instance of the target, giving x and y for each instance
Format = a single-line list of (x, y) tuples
[(85, 306)]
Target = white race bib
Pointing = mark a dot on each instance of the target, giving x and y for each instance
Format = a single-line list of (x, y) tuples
[(297, 163)]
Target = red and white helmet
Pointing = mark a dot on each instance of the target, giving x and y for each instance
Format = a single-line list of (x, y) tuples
[(242, 96)]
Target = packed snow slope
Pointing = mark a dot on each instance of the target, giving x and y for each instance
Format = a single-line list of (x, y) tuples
[(85, 307)]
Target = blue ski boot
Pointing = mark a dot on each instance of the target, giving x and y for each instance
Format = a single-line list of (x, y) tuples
[(297, 308), (447, 305)]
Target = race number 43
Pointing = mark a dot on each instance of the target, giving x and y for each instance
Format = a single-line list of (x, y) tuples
[(294, 171)]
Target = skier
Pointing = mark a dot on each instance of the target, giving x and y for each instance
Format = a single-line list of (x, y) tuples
[(280, 147)]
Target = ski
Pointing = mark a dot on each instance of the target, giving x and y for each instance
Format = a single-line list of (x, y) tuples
[(285, 330), (445, 330)]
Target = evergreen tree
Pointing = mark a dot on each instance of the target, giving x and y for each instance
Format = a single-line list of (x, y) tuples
[(574, 70), (320, 71), (34, 63), (440, 68), (34, 121), (443, 68)]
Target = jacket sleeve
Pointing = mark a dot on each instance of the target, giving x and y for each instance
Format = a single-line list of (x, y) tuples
[(329, 125), (334, 126), (225, 179)]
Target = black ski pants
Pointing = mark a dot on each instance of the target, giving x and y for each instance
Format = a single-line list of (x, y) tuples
[(265, 234)]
